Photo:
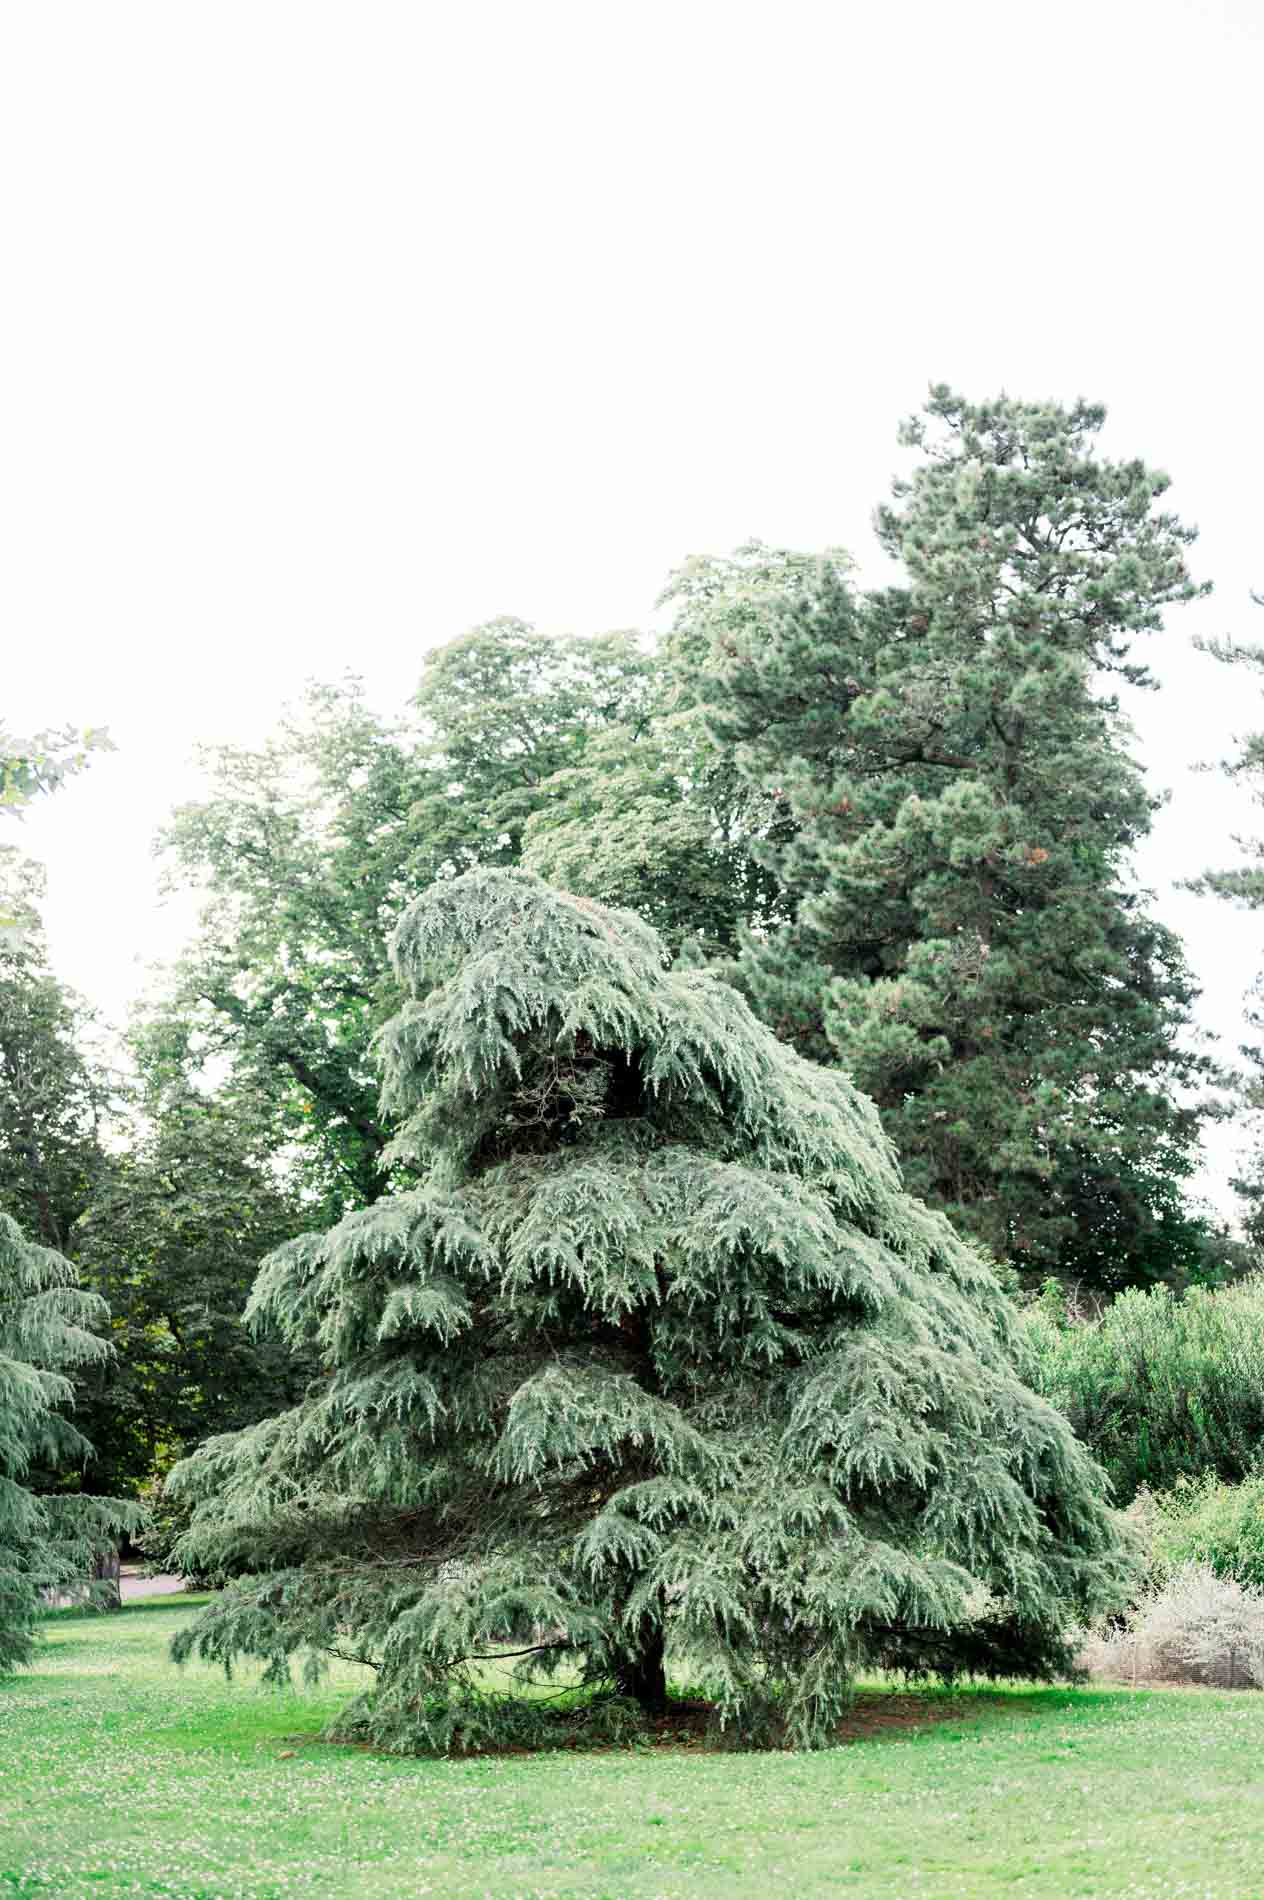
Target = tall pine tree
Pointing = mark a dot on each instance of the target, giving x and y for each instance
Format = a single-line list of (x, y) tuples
[(658, 1360), (959, 805)]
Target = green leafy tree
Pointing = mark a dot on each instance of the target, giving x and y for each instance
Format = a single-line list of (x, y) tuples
[(48, 1335), (166, 1222), (504, 709), (28, 769), (656, 816), (654, 820), (657, 1358), (171, 1242), (55, 1089), (31, 767), (308, 848), (959, 805), (299, 849)]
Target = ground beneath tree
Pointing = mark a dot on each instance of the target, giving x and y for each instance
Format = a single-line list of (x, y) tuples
[(202, 1789), (133, 1584), (688, 1726), (873, 1715)]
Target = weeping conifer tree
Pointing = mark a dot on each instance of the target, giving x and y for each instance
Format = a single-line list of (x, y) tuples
[(48, 1545), (658, 1360)]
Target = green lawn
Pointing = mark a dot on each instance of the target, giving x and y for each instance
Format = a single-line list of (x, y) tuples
[(119, 1775)]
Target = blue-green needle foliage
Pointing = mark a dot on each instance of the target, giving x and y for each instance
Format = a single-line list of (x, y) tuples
[(658, 1356), (47, 1334)]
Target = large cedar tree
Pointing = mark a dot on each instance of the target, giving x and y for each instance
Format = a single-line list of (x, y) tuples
[(659, 1362)]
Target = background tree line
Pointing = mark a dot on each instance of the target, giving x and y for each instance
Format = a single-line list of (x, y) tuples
[(899, 820)]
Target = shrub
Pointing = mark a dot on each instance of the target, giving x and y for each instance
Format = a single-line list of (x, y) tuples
[(1213, 1523), (1160, 1387), (1195, 1627)]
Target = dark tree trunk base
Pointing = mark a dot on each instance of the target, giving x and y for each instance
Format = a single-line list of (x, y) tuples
[(641, 1675)]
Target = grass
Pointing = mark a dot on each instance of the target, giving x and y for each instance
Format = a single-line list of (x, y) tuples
[(119, 1775)]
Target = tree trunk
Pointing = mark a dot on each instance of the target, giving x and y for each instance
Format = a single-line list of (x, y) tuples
[(105, 1569), (639, 1672)]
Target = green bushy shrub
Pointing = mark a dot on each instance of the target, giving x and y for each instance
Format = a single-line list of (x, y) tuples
[(1212, 1523), (1161, 1387)]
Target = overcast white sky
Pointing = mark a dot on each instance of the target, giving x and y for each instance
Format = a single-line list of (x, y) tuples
[(333, 330)]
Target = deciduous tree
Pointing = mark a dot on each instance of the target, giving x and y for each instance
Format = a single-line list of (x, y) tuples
[(55, 1088), (30, 767), (308, 848), (171, 1241)]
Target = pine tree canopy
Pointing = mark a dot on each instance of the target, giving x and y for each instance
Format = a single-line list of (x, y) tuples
[(47, 1544), (658, 1357), (961, 804)]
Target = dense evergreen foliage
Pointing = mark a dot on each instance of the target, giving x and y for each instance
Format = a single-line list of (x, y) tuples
[(48, 1333), (657, 1357), (900, 820), (958, 806), (629, 1324)]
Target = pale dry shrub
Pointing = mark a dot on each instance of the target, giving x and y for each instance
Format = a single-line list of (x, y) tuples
[(1193, 1627)]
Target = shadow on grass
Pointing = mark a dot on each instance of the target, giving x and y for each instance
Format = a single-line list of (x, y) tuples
[(879, 1715), (969, 1713), (884, 1711), (140, 1606)]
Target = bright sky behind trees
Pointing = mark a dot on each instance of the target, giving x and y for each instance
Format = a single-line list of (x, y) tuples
[(334, 331)]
